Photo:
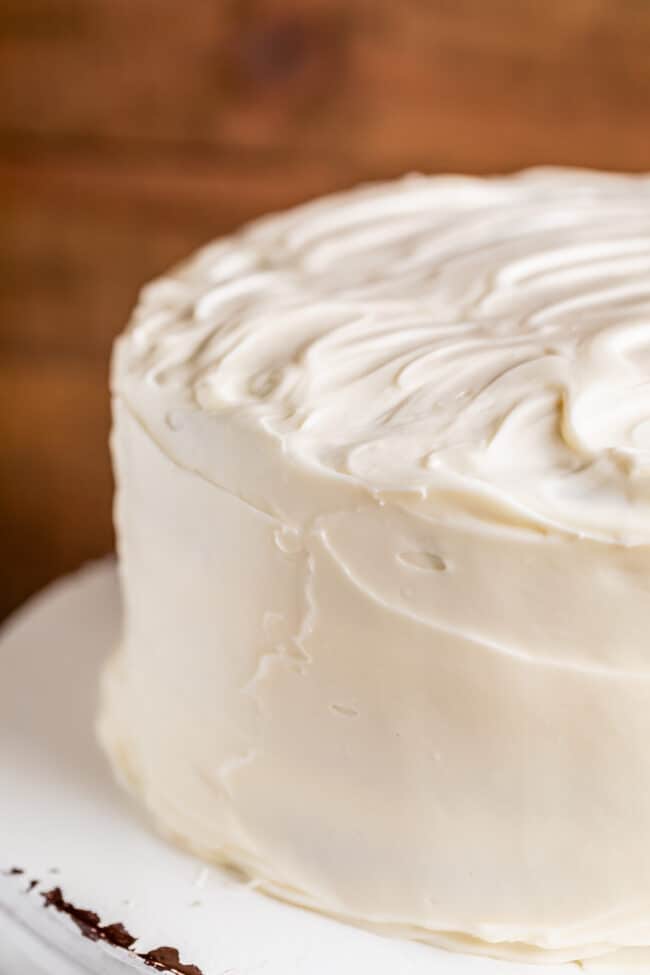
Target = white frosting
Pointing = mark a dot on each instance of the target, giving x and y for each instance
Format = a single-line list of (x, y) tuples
[(383, 510)]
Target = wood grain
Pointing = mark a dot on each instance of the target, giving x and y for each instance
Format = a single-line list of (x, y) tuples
[(133, 130), (55, 492)]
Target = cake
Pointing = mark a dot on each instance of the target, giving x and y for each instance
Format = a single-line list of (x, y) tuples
[(383, 520)]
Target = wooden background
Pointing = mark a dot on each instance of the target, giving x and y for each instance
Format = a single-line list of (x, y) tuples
[(133, 130)]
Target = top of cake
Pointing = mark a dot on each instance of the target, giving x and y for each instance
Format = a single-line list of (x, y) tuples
[(486, 340)]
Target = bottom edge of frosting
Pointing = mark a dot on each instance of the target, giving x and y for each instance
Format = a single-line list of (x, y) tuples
[(120, 758)]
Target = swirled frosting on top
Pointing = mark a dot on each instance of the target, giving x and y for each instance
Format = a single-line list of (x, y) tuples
[(488, 338)]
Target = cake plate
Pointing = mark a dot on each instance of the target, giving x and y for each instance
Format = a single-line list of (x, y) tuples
[(86, 886)]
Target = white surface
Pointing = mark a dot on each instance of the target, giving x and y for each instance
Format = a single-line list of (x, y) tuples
[(62, 812)]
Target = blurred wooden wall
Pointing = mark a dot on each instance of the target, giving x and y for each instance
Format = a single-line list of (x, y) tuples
[(133, 130)]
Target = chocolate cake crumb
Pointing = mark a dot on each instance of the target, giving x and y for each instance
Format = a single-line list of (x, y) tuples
[(163, 959), (166, 960), (31, 885), (86, 921), (116, 934), (14, 871)]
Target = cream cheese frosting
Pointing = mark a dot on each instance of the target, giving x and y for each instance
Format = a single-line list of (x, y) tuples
[(383, 514)]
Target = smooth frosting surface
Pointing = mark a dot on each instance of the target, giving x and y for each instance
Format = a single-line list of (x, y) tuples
[(383, 511)]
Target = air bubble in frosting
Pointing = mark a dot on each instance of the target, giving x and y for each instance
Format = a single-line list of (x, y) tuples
[(288, 540), (176, 419), (345, 710), (423, 560)]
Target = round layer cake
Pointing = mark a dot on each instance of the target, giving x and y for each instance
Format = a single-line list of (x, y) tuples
[(383, 513)]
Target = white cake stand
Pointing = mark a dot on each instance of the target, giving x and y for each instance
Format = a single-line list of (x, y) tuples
[(70, 837)]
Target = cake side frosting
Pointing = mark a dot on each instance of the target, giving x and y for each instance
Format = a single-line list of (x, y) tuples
[(383, 521)]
